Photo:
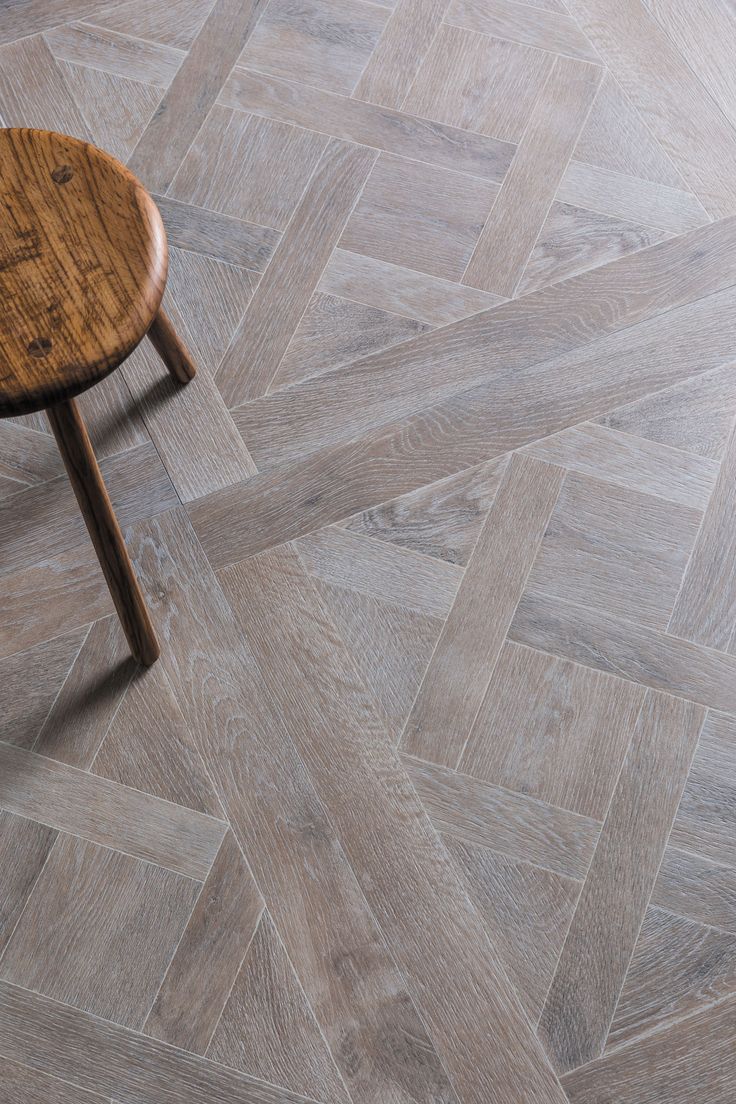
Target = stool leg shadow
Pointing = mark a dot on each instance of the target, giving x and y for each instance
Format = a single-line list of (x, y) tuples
[(86, 480), (171, 348)]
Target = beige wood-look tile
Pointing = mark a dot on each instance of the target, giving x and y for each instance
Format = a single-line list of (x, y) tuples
[(401, 290), (671, 1065), (367, 124), (698, 888), (111, 52), (471, 81), (592, 967), (23, 1085), (118, 109), (285, 289), (310, 890), (113, 816), (705, 610), (205, 965), (669, 96), (704, 32), (190, 426), (251, 168), (385, 388), (394, 62), (24, 848), (391, 647), (697, 415), (100, 930), (81, 714), (326, 44), (616, 137), (526, 911), (46, 518), (28, 17), (214, 51), (471, 640), (34, 92), (29, 683), (267, 1027), (198, 230), (522, 205), (553, 31), (82, 1049), (627, 197), (482, 815), (51, 598), (381, 570), (175, 25), (707, 813), (335, 331), (113, 422), (419, 217), (442, 520), (27, 456), (149, 747), (437, 938), (574, 240), (365, 466), (613, 549), (631, 462), (677, 968), (630, 651), (553, 730)]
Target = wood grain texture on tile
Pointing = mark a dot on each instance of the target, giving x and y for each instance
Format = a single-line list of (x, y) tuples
[(110, 815), (517, 216), (698, 888), (199, 977), (399, 52), (466, 653), (111, 1059), (284, 291), (431, 931), (599, 945), (194, 89), (24, 849), (108, 924)]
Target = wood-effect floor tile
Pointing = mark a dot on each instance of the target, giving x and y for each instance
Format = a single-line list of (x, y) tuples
[(110, 51), (698, 888), (393, 64), (29, 683), (505, 19), (704, 822), (99, 931), (592, 967), (24, 849)]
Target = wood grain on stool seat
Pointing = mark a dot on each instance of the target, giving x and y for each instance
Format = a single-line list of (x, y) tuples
[(83, 263)]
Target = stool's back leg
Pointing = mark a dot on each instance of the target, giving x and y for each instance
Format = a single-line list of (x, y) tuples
[(171, 348), (86, 479)]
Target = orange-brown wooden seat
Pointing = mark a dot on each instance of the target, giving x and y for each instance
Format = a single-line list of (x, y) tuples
[(83, 264)]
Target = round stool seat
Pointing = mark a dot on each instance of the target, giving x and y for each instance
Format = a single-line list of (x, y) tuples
[(83, 262)]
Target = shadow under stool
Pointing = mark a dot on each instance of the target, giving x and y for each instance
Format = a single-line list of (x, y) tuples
[(83, 265)]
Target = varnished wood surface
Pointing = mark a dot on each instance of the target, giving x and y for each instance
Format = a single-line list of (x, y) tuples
[(430, 797), (82, 267)]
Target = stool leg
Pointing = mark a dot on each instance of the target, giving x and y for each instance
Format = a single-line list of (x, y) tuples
[(86, 479), (171, 348)]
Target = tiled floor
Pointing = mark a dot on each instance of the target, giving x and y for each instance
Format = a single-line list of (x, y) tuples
[(431, 798)]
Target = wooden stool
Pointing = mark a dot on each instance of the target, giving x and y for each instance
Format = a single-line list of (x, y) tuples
[(83, 264)]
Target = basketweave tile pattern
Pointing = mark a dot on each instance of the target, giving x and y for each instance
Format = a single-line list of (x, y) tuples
[(430, 798)]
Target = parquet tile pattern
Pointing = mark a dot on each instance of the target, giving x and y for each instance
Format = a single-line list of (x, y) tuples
[(431, 798)]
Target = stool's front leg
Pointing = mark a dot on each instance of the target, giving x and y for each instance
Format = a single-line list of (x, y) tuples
[(171, 348), (86, 479)]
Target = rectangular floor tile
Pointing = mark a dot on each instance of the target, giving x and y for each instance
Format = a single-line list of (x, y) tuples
[(471, 640), (553, 730), (285, 289), (529, 187), (367, 124), (599, 945), (202, 971), (706, 817), (398, 54), (24, 848), (110, 1059), (110, 815), (99, 931), (437, 939), (518, 22), (484, 815)]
